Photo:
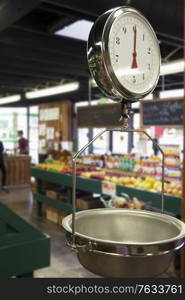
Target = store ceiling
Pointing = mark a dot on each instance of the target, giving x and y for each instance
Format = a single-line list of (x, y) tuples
[(31, 56)]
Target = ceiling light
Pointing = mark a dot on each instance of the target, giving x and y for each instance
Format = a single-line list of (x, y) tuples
[(10, 99), (60, 89), (176, 66), (79, 30)]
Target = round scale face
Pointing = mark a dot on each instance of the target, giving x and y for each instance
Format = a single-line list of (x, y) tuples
[(134, 53)]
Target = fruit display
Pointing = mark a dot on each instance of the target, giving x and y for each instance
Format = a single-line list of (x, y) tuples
[(138, 182), (148, 183), (141, 165), (66, 157), (174, 189), (122, 202), (65, 167), (149, 166), (127, 163), (58, 167), (61, 165), (91, 160), (172, 162), (99, 175)]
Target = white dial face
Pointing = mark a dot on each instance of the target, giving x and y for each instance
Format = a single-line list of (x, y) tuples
[(134, 53)]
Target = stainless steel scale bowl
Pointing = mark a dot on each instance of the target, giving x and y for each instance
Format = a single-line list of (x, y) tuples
[(125, 243), (116, 242)]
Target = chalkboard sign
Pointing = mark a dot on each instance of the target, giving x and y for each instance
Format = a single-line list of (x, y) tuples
[(104, 115), (162, 112)]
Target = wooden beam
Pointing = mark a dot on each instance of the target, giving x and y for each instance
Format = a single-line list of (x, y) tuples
[(30, 78), (41, 62), (21, 72), (88, 8), (60, 10), (59, 23), (11, 91), (163, 9), (35, 63), (33, 21), (46, 72), (21, 82), (11, 11), (43, 41), (15, 84), (42, 55)]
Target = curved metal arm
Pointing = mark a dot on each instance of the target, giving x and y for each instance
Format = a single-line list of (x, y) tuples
[(84, 148), (74, 182)]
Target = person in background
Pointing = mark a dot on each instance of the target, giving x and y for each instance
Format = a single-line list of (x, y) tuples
[(154, 146), (23, 143), (3, 168)]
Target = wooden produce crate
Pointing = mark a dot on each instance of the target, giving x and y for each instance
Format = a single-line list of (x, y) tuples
[(52, 215), (18, 170), (53, 194), (86, 203)]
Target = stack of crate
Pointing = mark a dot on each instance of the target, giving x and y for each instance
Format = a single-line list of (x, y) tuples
[(83, 202), (52, 214)]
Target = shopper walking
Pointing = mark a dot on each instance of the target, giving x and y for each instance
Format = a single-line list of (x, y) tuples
[(3, 168), (23, 143)]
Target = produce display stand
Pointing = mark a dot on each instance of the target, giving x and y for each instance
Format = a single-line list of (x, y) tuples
[(172, 203), (23, 248), (18, 170)]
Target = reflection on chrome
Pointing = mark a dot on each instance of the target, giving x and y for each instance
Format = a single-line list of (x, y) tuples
[(128, 71)]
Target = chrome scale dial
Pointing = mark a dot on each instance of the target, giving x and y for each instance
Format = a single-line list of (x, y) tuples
[(134, 53)]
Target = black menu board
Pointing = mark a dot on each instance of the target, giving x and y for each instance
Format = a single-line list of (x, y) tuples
[(101, 115), (166, 112)]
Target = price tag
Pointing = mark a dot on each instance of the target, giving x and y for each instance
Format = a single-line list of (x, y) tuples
[(108, 188)]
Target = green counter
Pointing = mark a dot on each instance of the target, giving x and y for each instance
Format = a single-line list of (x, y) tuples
[(23, 248), (171, 204)]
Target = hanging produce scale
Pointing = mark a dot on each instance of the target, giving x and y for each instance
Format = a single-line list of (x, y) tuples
[(124, 59)]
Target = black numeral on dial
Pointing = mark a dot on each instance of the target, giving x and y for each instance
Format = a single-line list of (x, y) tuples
[(124, 30), (134, 79), (134, 28), (148, 66), (117, 40), (149, 50), (117, 57)]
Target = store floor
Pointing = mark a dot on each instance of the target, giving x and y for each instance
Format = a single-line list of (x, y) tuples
[(64, 262)]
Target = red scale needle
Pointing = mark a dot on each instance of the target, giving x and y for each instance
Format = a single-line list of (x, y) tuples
[(134, 61)]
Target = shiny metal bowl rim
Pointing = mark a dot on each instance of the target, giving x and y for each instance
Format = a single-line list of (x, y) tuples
[(67, 224)]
